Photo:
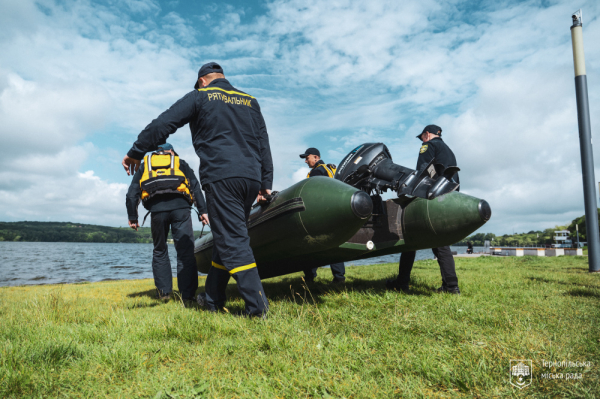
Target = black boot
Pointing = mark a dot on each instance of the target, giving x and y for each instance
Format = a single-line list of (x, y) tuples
[(449, 290)]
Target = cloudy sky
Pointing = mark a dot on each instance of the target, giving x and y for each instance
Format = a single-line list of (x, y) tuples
[(80, 79)]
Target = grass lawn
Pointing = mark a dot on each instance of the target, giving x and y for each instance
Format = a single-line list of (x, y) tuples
[(113, 339)]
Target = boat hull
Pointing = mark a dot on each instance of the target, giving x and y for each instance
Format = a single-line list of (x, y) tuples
[(320, 221)]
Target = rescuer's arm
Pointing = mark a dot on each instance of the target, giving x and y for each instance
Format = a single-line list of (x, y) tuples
[(194, 187), (266, 161), (160, 128), (132, 199)]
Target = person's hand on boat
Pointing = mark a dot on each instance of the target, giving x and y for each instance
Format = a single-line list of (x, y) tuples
[(262, 195), (134, 224)]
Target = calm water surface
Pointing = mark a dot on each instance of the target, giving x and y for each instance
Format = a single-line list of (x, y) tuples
[(67, 262)]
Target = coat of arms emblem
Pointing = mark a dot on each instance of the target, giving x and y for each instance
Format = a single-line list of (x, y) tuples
[(520, 373)]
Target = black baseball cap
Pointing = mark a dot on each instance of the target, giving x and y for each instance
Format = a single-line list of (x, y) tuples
[(435, 129), (211, 67), (310, 151)]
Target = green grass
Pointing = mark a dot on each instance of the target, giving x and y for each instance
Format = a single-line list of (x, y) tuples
[(113, 339)]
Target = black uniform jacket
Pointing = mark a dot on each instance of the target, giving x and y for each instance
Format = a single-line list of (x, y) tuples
[(318, 171), (228, 132), (164, 202), (436, 148)]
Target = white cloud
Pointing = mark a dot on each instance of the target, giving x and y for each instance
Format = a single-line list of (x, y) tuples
[(500, 84), (49, 187), (108, 55), (518, 148), (300, 174), (65, 82), (178, 27), (46, 117), (143, 6)]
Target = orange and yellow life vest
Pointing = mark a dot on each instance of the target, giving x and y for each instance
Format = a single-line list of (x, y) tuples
[(329, 168), (163, 176)]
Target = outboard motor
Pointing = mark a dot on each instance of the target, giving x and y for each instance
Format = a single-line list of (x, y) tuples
[(369, 167)]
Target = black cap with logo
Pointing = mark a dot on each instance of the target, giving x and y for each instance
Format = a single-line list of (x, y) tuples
[(310, 151), (211, 67), (435, 129)]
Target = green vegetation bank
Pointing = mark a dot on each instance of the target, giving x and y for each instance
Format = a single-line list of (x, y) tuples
[(114, 339), (73, 232)]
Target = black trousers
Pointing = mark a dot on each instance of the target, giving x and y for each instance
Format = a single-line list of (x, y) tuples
[(337, 269), (229, 202), (180, 223), (444, 258)]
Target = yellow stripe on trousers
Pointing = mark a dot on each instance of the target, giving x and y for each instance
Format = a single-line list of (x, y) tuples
[(219, 266), (237, 269)]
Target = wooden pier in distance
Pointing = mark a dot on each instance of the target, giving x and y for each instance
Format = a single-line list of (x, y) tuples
[(523, 251)]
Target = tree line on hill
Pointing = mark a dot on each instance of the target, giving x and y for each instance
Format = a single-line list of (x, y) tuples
[(532, 238), (74, 232)]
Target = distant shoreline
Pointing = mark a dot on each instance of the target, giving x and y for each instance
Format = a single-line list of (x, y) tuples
[(74, 233)]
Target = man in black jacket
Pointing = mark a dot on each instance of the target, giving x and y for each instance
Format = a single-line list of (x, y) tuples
[(230, 137), (312, 157), (433, 147), (170, 210)]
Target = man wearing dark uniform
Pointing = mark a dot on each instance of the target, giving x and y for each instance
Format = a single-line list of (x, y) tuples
[(230, 137), (312, 157), (169, 209), (433, 147)]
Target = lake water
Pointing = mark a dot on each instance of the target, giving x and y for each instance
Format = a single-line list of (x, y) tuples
[(70, 262)]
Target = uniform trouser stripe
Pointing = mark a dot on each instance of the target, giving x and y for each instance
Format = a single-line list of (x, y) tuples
[(215, 264), (237, 269), (242, 268)]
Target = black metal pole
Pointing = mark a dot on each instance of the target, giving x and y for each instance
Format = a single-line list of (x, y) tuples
[(585, 143)]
